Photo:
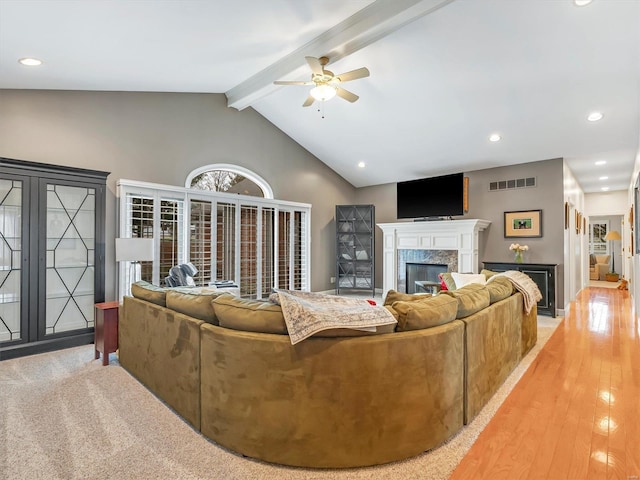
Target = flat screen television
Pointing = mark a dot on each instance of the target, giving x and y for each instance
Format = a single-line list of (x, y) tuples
[(431, 197)]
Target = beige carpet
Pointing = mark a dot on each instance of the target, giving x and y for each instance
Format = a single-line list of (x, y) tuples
[(65, 416)]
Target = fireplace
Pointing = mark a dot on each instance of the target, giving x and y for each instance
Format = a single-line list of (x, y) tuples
[(455, 243), (417, 272)]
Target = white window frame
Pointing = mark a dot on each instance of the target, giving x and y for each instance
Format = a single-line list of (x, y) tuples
[(229, 167), (182, 194)]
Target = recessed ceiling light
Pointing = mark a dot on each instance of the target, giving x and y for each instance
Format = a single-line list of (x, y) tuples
[(604, 178), (494, 137), (30, 62), (595, 116), (361, 164), (605, 189), (601, 162), (581, 3)]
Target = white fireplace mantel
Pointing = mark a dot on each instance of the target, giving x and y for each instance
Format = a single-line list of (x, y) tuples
[(460, 235)]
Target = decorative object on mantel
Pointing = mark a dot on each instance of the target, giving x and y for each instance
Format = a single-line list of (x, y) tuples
[(525, 224), (612, 235), (519, 249)]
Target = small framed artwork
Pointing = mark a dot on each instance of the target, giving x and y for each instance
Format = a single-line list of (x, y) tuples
[(523, 224)]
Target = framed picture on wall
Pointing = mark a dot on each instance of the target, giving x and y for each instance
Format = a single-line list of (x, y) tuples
[(523, 224)]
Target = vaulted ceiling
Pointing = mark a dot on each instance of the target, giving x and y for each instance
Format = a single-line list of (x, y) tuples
[(445, 74)]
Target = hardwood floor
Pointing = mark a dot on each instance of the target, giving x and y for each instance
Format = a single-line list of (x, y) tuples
[(575, 414)]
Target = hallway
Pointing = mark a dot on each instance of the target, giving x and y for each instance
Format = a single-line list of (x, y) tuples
[(575, 414)]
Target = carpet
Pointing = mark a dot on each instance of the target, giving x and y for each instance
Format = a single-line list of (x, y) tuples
[(65, 416)]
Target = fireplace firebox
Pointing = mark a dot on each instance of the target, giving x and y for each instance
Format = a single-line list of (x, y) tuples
[(421, 272)]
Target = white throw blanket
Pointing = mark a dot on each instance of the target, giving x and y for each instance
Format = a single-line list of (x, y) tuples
[(523, 284), (307, 313)]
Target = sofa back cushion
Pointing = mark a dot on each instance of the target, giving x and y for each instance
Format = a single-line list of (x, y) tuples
[(393, 296), (499, 288), (194, 302), (146, 291), (249, 315), (425, 313), (471, 299)]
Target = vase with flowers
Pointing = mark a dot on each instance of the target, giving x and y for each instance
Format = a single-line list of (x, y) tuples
[(519, 251)]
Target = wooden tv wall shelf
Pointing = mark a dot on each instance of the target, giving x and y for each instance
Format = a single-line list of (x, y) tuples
[(544, 274)]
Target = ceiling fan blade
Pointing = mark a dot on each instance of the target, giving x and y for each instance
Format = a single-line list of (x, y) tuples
[(315, 65), (309, 101), (347, 95), (353, 74), (287, 82)]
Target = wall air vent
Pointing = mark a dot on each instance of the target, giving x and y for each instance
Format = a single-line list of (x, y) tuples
[(510, 184)]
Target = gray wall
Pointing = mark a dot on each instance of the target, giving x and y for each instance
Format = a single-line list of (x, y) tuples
[(546, 196), (161, 137)]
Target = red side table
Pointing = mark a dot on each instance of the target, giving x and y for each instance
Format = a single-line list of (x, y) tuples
[(106, 330)]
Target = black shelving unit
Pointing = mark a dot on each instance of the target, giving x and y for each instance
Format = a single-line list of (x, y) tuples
[(355, 248)]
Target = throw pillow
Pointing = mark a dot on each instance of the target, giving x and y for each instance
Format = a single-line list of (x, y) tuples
[(462, 279), (449, 283)]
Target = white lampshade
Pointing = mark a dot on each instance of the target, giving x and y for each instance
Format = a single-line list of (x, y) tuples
[(134, 249), (322, 93)]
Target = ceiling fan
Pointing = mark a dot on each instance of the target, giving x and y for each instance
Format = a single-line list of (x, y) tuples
[(327, 85)]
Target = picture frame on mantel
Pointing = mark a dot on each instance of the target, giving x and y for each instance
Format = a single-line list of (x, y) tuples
[(523, 224)]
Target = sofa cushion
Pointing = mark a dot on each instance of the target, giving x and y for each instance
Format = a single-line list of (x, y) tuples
[(393, 296), (425, 313), (488, 273), (194, 302), (146, 291), (499, 288), (602, 258), (462, 279), (249, 315), (471, 299)]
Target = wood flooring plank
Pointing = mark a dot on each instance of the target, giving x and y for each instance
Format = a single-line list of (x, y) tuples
[(576, 413)]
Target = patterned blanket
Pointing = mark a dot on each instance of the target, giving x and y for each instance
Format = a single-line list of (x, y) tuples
[(307, 313), (523, 284)]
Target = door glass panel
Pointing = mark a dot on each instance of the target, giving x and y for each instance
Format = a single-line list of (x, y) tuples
[(70, 235), (10, 259)]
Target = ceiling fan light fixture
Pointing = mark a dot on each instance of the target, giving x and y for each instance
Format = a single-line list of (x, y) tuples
[(30, 62), (595, 116), (323, 92)]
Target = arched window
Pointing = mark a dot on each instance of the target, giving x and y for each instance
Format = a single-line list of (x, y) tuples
[(225, 177)]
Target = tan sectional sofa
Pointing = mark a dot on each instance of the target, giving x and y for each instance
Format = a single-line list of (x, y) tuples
[(339, 399)]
